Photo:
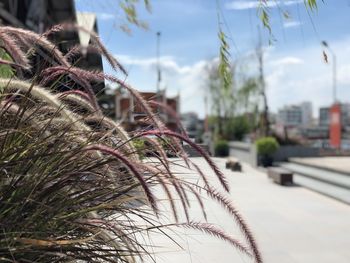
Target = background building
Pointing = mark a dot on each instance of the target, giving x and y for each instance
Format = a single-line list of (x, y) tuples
[(295, 115), (193, 125), (36, 15), (324, 115), (132, 116), (39, 16), (306, 113)]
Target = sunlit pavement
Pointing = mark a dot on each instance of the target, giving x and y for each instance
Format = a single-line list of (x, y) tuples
[(291, 224)]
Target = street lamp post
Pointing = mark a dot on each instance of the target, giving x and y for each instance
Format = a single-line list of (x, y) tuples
[(159, 78), (335, 125), (334, 57), (158, 63)]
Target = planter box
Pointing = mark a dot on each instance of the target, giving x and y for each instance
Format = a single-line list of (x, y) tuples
[(265, 160), (280, 176), (234, 165)]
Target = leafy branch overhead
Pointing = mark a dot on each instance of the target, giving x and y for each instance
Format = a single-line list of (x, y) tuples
[(263, 10), (129, 8), (224, 64), (225, 68)]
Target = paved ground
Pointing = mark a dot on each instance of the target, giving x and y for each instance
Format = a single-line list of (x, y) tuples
[(341, 164), (291, 224)]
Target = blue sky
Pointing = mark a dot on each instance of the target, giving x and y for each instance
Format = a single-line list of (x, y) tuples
[(295, 70)]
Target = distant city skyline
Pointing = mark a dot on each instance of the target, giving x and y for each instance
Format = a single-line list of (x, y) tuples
[(296, 114), (295, 70)]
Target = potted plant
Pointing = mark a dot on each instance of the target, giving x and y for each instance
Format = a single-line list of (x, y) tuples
[(221, 148), (266, 147)]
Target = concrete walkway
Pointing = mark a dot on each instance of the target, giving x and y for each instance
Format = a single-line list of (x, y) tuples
[(291, 224)]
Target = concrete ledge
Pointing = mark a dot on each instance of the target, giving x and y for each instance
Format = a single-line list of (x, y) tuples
[(304, 161), (233, 164), (241, 145), (280, 176), (193, 153), (244, 152)]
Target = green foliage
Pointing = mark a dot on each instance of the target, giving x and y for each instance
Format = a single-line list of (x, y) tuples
[(236, 128), (312, 4), (224, 68), (129, 8), (221, 81), (139, 145), (264, 15), (265, 19), (221, 97), (220, 84), (5, 70), (221, 148), (226, 121), (248, 94), (266, 145)]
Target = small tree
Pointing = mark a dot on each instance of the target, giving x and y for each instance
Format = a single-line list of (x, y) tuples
[(222, 100), (236, 128)]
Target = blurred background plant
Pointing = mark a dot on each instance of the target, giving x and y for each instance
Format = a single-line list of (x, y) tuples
[(237, 127), (229, 91), (266, 147), (221, 148), (5, 70)]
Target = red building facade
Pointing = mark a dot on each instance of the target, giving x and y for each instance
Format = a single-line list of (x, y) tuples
[(133, 117), (335, 129)]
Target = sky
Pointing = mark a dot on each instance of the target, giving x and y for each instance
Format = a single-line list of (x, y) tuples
[(295, 70)]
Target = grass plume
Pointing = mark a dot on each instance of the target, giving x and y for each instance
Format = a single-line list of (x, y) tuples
[(72, 181)]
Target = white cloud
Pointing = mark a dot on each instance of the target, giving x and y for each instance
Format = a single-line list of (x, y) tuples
[(291, 77), (285, 61), (167, 63), (105, 16), (291, 80), (187, 80), (291, 24), (343, 75), (243, 5)]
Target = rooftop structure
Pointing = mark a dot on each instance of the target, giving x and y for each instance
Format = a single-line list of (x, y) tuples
[(192, 124), (40, 15), (133, 116), (324, 115), (295, 115)]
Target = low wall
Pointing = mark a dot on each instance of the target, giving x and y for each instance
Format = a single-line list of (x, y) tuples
[(245, 152), (289, 151), (193, 153)]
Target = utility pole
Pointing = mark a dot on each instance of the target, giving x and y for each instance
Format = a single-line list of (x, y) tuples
[(159, 78), (265, 114), (206, 126), (335, 112), (334, 57)]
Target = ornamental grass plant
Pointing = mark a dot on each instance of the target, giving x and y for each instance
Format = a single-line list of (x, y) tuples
[(73, 187)]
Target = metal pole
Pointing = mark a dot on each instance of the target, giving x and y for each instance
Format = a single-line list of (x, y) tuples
[(334, 77), (265, 117), (158, 63), (158, 97), (325, 44)]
